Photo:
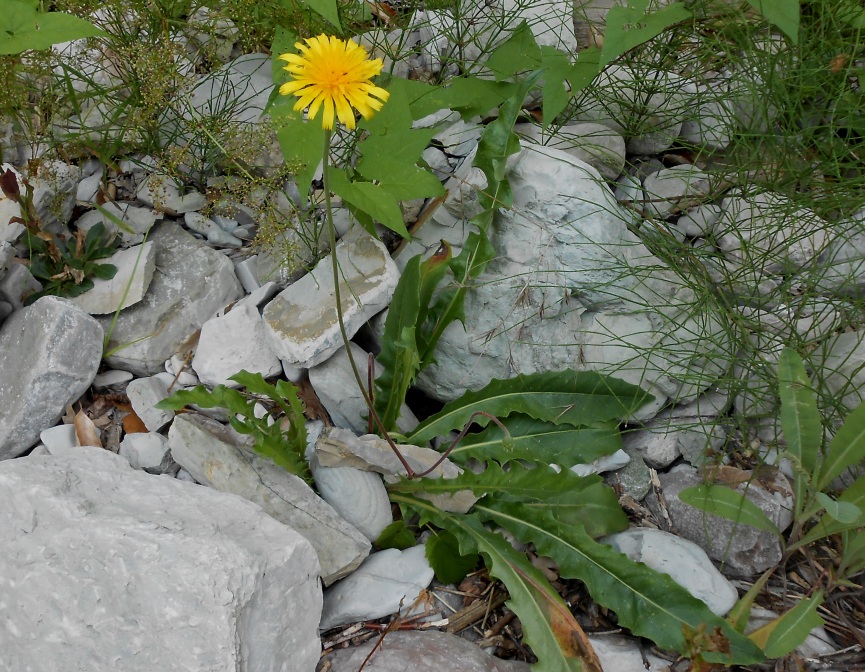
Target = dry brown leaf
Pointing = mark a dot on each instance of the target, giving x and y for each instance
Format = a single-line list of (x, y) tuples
[(313, 408), (85, 431), (132, 424)]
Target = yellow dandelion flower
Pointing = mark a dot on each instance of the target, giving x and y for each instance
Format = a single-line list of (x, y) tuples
[(335, 75)]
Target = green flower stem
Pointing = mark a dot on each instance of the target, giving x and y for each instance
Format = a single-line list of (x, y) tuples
[(331, 229)]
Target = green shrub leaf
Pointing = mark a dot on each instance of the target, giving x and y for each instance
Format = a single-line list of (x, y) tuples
[(647, 602), (628, 27), (448, 563), (548, 625), (846, 449), (23, 28), (561, 397), (783, 13), (396, 535), (843, 512), (373, 199), (790, 630), (727, 503), (519, 53), (539, 440)]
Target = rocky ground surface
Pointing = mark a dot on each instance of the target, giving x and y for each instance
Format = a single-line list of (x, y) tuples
[(112, 552)]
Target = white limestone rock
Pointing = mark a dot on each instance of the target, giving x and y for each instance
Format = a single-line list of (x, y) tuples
[(191, 282), (110, 568), (302, 321), (570, 283), (51, 351), (358, 496), (378, 587), (135, 268), (336, 387), (769, 230), (232, 343), (596, 144), (218, 457), (144, 394), (683, 561), (668, 188), (163, 194), (148, 451), (137, 221)]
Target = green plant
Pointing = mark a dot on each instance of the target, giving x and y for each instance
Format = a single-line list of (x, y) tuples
[(67, 269), (23, 27), (280, 438), (817, 514)]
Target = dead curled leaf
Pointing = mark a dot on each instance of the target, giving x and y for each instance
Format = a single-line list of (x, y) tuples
[(85, 431)]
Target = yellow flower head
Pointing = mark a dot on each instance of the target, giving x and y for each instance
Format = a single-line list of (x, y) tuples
[(334, 74)]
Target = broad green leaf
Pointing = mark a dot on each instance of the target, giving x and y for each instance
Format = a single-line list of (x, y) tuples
[(23, 28), (324, 8), (782, 13), (548, 625), (826, 526), (399, 356), (470, 96), (800, 417), (558, 70), (594, 506), (727, 503), (539, 483), (539, 440), (740, 614), (648, 603), (628, 27), (391, 152), (517, 54), (785, 633), (103, 271), (302, 143), (449, 565), (496, 144), (396, 535), (371, 198), (853, 557), (846, 449), (843, 512), (561, 397)]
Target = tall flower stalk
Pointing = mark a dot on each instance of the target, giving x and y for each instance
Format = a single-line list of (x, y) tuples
[(334, 76)]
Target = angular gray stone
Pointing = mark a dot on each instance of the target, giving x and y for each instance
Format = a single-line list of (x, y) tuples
[(135, 267), (842, 360), (336, 387), (162, 193), (51, 352), (144, 394), (770, 230), (682, 560), (663, 439), (213, 455), (148, 451), (670, 188), (17, 284), (234, 342), (619, 653), (633, 479), (358, 496), (742, 550), (430, 651), (192, 281), (570, 283), (386, 582), (140, 220), (302, 320), (107, 568), (596, 144)]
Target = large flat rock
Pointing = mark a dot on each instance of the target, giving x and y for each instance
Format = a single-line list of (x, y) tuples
[(105, 569), (191, 282), (210, 452), (51, 352)]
